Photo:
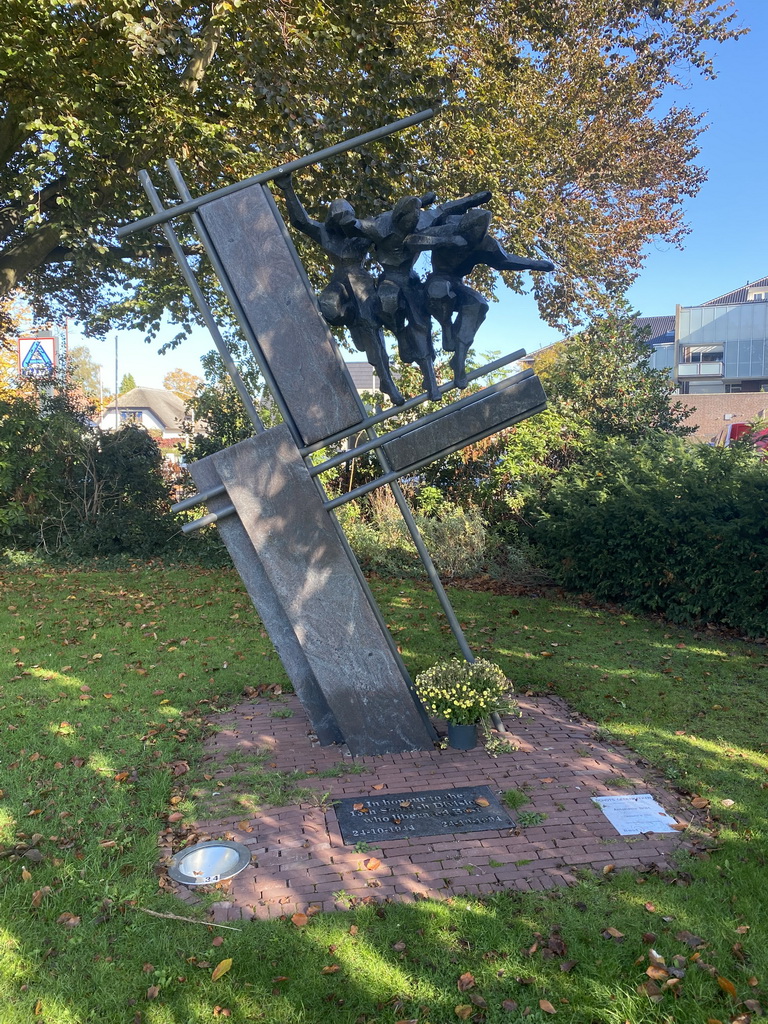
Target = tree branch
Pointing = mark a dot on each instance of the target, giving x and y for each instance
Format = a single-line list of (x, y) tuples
[(25, 255), (12, 216), (210, 37)]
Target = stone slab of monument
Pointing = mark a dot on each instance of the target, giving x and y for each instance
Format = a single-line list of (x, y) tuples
[(266, 277), (486, 414), (351, 657), (267, 604)]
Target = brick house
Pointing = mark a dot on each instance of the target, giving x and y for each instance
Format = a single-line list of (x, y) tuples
[(717, 355)]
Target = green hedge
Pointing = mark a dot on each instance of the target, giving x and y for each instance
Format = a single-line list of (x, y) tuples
[(663, 526)]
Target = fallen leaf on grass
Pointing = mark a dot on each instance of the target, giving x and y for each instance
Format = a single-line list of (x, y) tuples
[(509, 1005), (652, 990), (613, 933), (727, 986), (754, 1006), (478, 1000), (609, 868), (689, 939), (221, 968), (546, 1006), (26, 876), (353, 929), (466, 981), (218, 940), (567, 966), (330, 969), (464, 1010), (221, 1011), (299, 920), (657, 973), (39, 894), (699, 802), (153, 992), (68, 920), (399, 946)]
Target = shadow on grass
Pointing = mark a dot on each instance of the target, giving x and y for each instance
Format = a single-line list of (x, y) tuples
[(401, 962)]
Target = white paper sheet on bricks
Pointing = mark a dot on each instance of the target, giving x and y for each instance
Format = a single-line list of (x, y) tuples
[(631, 815)]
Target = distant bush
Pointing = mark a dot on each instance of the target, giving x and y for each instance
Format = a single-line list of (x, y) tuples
[(663, 526)]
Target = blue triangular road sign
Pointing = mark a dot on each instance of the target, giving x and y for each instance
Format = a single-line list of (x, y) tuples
[(37, 359)]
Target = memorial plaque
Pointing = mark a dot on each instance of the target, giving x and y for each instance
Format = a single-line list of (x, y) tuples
[(633, 815), (432, 813)]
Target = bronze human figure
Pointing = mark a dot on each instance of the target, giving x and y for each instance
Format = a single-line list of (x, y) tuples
[(350, 299), (403, 304), (459, 240)]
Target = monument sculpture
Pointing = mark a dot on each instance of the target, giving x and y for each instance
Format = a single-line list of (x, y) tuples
[(265, 494)]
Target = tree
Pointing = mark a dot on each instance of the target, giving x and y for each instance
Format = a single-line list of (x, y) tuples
[(556, 105), (66, 485), (128, 383), (218, 409), (83, 372), (182, 383), (603, 378)]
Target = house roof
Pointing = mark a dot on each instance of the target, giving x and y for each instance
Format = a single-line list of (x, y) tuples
[(660, 327), (363, 375), (739, 295), (165, 406)]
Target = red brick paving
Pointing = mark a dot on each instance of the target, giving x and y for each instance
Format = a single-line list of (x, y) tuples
[(300, 861)]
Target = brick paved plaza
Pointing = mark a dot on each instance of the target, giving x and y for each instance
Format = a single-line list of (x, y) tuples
[(301, 864)]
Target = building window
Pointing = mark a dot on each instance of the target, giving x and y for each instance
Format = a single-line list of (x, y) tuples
[(733, 389), (702, 354), (131, 416)]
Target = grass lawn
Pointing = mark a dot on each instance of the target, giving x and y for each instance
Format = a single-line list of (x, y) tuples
[(106, 679)]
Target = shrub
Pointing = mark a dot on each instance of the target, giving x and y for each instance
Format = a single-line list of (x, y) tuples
[(455, 537), (663, 526), (66, 487)]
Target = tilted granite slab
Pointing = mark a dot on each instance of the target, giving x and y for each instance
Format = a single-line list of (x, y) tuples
[(487, 414), (277, 624), (352, 658), (263, 270)]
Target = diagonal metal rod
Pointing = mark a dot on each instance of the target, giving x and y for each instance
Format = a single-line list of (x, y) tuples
[(413, 467), (391, 477), (202, 304), (411, 403), (190, 205), (377, 441), (369, 421)]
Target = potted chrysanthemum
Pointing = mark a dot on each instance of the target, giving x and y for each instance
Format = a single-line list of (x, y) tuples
[(464, 694)]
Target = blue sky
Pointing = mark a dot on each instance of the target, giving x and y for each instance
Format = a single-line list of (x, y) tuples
[(727, 245)]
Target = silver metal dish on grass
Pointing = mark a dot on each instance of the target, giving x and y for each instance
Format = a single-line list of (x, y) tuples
[(208, 863)]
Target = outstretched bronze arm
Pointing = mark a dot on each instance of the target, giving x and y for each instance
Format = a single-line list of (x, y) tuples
[(297, 214)]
